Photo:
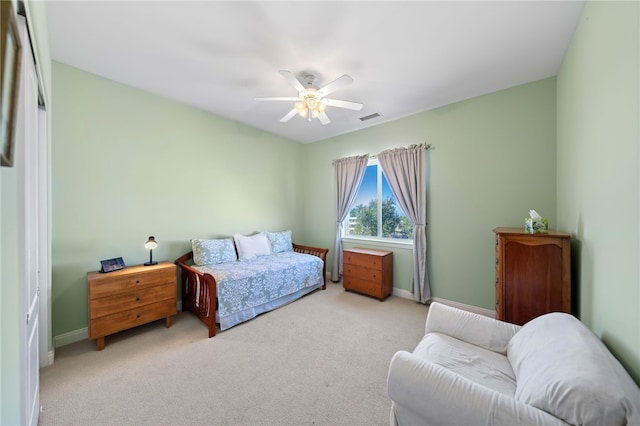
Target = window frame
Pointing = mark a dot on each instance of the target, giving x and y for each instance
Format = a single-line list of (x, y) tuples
[(378, 238)]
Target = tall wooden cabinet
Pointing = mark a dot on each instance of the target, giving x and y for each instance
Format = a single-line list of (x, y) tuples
[(533, 274)]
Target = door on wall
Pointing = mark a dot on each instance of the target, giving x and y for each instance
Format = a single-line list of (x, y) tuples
[(30, 234)]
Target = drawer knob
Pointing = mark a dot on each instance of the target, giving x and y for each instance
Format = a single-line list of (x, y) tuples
[(137, 281), (138, 316), (138, 299)]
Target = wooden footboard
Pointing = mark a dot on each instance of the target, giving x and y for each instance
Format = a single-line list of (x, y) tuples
[(321, 253), (202, 300)]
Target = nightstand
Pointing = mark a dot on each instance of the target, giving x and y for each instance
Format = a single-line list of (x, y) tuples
[(130, 297), (368, 271)]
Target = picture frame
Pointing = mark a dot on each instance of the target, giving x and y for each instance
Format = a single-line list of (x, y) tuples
[(10, 58)]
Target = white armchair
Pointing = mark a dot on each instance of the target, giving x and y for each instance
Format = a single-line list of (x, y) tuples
[(474, 370)]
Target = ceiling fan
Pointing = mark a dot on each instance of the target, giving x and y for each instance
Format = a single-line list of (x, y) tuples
[(311, 102)]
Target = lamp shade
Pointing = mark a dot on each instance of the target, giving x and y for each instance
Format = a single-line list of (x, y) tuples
[(151, 243)]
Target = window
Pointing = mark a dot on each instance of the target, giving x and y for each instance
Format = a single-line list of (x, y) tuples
[(375, 212)]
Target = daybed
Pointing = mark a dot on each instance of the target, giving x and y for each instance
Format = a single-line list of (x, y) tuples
[(474, 370), (268, 272)]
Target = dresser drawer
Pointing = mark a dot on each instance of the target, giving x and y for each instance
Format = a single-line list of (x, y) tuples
[(362, 286), (362, 272), (105, 285), (132, 299), (361, 259), (113, 323)]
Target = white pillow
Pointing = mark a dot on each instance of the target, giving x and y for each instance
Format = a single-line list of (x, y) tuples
[(253, 246), (561, 367)]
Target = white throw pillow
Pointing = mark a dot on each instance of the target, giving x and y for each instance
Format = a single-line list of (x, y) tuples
[(561, 367), (253, 246)]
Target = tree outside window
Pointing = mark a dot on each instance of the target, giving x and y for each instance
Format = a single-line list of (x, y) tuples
[(375, 212)]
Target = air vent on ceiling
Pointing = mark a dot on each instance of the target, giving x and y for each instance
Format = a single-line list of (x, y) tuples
[(370, 116)]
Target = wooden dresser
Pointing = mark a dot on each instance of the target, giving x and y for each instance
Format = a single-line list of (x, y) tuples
[(130, 297), (533, 274), (368, 271)]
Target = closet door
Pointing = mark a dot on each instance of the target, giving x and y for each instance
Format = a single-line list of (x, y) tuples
[(30, 236)]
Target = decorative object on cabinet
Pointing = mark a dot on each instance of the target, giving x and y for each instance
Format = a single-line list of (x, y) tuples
[(130, 297), (10, 56), (368, 272), (533, 274), (535, 224), (111, 265), (150, 245)]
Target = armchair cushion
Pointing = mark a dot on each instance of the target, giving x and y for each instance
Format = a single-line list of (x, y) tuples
[(563, 369), (470, 327), (478, 364)]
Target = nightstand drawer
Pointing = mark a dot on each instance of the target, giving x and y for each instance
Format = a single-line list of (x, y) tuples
[(363, 273), (360, 259), (131, 318), (129, 300), (108, 284), (362, 286)]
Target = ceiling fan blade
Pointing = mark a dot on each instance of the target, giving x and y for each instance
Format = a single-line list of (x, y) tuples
[(292, 80), (336, 84), (289, 116), (324, 119), (276, 98), (343, 104)]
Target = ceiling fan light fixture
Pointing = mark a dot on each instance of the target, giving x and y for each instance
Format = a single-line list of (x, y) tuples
[(311, 102), (301, 108)]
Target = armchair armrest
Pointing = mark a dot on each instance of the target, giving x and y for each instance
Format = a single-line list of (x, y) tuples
[(472, 328), (428, 394)]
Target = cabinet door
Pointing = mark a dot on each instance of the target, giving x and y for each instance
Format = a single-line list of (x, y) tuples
[(533, 271)]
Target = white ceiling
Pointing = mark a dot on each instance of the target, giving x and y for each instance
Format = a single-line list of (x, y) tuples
[(404, 57)]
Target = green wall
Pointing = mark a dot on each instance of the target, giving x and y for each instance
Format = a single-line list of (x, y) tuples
[(598, 172), (494, 159), (128, 164)]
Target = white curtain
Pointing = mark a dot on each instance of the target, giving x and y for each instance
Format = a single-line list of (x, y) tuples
[(349, 175), (405, 171)]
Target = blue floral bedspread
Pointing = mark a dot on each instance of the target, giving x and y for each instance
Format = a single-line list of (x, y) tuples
[(250, 287)]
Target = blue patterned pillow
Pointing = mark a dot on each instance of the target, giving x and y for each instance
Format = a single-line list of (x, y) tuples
[(211, 252), (280, 241)]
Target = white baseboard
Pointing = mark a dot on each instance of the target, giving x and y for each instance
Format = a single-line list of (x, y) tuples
[(470, 308), (49, 359), (78, 335), (70, 337), (83, 333), (406, 294)]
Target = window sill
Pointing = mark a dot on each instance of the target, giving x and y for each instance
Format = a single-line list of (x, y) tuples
[(407, 245)]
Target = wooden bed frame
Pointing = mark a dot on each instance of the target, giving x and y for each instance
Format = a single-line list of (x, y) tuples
[(204, 302)]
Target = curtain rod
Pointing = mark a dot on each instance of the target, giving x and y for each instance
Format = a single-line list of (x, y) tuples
[(426, 146)]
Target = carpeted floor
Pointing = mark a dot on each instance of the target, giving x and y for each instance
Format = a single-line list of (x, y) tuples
[(321, 360)]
